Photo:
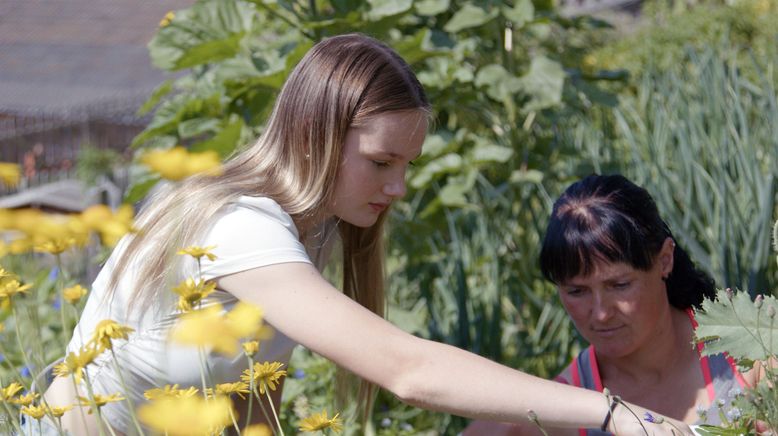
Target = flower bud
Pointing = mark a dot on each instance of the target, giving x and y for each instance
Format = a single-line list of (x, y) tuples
[(730, 294), (771, 311), (758, 301)]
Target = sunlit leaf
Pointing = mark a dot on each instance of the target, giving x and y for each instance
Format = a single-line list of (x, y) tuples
[(738, 326)]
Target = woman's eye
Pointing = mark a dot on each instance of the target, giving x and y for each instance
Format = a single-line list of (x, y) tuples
[(381, 163), (621, 285)]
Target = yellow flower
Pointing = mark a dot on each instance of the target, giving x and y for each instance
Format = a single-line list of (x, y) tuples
[(106, 330), (36, 412), (73, 294), (320, 422), (10, 173), (10, 391), (191, 292), (100, 400), (111, 226), (177, 163), (187, 416), (169, 391), (56, 245), (11, 288), (74, 364), (257, 430), (238, 388), (25, 400), (198, 252), (246, 320), (265, 375), (167, 19), (57, 412), (251, 347), (206, 328)]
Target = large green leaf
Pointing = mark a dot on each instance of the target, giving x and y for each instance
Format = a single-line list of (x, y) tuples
[(431, 7), (225, 141), (543, 83), (500, 84), (469, 16), (738, 327), (522, 12), (444, 164), (206, 32), (385, 8)]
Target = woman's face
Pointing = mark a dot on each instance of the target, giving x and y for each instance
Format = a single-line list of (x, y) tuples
[(620, 309), (372, 169)]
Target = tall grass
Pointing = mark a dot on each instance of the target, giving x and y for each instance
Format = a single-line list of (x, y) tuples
[(703, 140)]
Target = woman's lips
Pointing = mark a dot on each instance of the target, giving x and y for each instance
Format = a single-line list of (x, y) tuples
[(607, 331)]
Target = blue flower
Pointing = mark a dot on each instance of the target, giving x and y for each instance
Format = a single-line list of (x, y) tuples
[(406, 427), (648, 417), (734, 414), (299, 373), (57, 303), (735, 392), (53, 274), (386, 422), (25, 372)]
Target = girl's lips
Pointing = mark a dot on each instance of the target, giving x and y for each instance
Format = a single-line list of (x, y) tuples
[(378, 207)]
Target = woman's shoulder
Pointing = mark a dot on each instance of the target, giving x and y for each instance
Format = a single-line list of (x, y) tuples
[(248, 211)]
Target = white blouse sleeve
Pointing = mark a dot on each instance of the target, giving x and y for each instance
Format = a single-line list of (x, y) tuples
[(252, 233)]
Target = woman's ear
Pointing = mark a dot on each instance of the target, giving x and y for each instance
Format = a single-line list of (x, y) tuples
[(666, 257)]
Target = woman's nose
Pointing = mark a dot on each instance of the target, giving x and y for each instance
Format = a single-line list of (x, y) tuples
[(601, 308)]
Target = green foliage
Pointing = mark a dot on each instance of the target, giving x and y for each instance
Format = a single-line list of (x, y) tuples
[(671, 28), (737, 326)]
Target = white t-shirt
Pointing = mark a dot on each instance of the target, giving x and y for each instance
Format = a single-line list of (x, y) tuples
[(251, 233)]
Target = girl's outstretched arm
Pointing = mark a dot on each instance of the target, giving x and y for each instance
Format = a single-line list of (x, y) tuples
[(298, 301)]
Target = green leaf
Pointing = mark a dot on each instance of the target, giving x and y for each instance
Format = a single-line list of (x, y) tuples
[(137, 191), (197, 126), (161, 91), (491, 153), (500, 84), (207, 32), (526, 176), (469, 16), (444, 164), (225, 141), (543, 83), (432, 7), (522, 12), (738, 327), (385, 8)]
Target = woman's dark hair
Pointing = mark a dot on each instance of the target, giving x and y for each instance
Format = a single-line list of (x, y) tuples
[(610, 219)]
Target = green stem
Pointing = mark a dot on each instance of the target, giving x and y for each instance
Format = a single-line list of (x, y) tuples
[(262, 407), (273, 408), (80, 409), (126, 392), (12, 417), (251, 389), (93, 403)]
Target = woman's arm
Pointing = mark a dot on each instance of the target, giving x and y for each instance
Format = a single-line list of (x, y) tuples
[(298, 301)]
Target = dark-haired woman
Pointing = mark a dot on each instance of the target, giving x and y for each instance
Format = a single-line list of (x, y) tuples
[(630, 291)]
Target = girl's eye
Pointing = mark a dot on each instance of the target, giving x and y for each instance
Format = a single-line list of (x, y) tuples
[(381, 163), (574, 292), (621, 285)]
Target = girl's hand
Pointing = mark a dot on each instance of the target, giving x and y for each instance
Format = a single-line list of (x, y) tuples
[(629, 419)]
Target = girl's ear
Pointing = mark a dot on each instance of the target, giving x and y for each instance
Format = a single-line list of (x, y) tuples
[(666, 257)]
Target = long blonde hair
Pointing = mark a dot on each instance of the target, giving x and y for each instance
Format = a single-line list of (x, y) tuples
[(341, 82)]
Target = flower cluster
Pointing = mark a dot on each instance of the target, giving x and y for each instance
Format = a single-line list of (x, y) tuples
[(33, 230), (178, 163)]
